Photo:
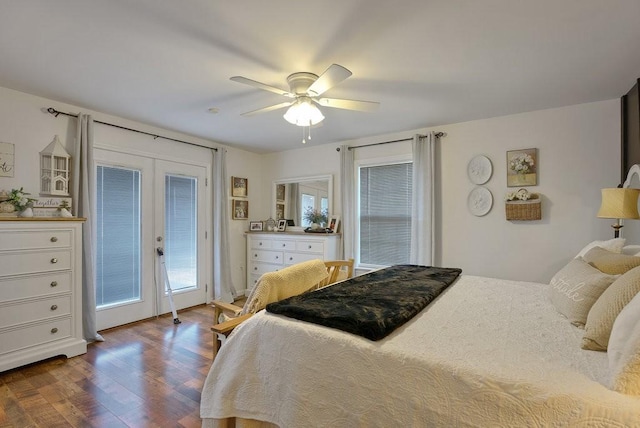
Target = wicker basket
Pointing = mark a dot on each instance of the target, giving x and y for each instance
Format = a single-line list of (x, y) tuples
[(524, 210)]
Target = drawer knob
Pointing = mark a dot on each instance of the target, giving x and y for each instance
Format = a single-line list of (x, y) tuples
[(54, 283), (255, 268), (290, 258), (284, 245), (277, 257), (255, 255), (309, 246), (260, 244), (54, 330), (54, 261), (54, 307), (54, 239)]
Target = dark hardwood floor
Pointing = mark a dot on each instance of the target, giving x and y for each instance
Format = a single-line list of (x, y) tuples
[(146, 374)]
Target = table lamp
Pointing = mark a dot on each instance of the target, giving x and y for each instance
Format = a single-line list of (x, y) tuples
[(619, 203)]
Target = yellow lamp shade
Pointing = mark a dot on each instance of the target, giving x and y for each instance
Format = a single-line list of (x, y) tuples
[(619, 203)]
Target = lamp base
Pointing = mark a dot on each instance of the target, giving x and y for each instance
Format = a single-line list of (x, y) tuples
[(616, 229)]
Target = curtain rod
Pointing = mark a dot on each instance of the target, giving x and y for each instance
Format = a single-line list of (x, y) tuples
[(438, 134), (55, 112)]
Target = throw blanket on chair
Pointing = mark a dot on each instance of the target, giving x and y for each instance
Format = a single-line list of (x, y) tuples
[(287, 282), (371, 305)]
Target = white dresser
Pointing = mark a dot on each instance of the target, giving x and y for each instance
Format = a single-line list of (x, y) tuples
[(268, 252), (40, 290)]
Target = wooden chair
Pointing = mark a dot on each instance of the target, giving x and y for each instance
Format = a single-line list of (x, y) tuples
[(338, 270), (221, 330), (271, 287)]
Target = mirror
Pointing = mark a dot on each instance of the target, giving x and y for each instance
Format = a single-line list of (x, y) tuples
[(292, 196)]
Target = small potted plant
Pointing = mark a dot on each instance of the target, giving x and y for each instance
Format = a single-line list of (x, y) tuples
[(63, 209), (20, 200), (316, 217)]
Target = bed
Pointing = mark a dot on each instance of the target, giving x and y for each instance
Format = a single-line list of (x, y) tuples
[(485, 352)]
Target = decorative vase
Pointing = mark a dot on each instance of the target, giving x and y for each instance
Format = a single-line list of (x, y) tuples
[(315, 226), (27, 212), (64, 213)]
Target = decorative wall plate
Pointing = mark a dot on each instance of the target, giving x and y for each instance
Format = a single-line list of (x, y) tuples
[(480, 201), (479, 169)]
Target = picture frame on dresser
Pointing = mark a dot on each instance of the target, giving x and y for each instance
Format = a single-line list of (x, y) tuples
[(256, 226), (282, 225), (334, 223)]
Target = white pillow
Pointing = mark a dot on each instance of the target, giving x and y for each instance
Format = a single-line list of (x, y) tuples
[(631, 250), (625, 322), (614, 245), (625, 377)]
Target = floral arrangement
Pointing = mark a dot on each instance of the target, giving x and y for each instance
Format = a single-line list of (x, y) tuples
[(518, 195), (522, 164), (19, 199), (315, 216)]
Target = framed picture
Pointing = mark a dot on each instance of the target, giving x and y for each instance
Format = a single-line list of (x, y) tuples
[(240, 210), (255, 226), (239, 187), (279, 211), (280, 192), (282, 225), (7, 159), (334, 223), (522, 168)]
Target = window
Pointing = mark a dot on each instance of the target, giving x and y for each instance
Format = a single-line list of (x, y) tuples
[(118, 232), (384, 213)]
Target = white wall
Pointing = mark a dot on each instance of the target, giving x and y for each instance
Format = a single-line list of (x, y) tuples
[(578, 149), (578, 154), (25, 123)]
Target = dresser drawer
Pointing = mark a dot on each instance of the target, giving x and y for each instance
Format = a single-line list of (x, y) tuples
[(35, 239), (293, 258), (260, 268), (261, 244), (287, 244), (35, 285), (35, 310), (267, 256), (18, 263), (310, 246), (20, 338)]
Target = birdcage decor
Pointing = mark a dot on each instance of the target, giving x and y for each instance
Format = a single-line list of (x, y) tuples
[(55, 169)]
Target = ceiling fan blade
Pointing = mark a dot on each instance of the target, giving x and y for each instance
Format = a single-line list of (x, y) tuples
[(262, 86), (348, 104), (327, 80), (270, 108)]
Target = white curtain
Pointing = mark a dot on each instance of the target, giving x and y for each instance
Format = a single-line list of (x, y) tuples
[(84, 202), (223, 288), (422, 200), (347, 201)]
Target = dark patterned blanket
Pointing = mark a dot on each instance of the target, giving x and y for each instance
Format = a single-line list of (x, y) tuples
[(371, 305)]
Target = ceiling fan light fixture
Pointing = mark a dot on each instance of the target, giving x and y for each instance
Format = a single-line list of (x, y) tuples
[(303, 113)]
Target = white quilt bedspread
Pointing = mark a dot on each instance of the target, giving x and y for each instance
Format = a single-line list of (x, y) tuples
[(486, 353)]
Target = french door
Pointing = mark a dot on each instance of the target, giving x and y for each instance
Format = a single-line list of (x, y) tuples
[(144, 205)]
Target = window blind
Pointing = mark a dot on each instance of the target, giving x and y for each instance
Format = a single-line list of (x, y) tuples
[(385, 214)]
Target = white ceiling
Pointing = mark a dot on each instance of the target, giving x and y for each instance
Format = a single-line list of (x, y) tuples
[(428, 62)]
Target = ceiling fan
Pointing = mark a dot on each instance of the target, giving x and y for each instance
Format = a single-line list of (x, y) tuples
[(304, 91)]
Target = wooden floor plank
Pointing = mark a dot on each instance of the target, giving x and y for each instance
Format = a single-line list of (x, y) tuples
[(146, 374)]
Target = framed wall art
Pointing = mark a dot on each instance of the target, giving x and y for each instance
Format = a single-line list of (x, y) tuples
[(522, 168), (240, 209), (239, 187), (7, 159), (280, 192)]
